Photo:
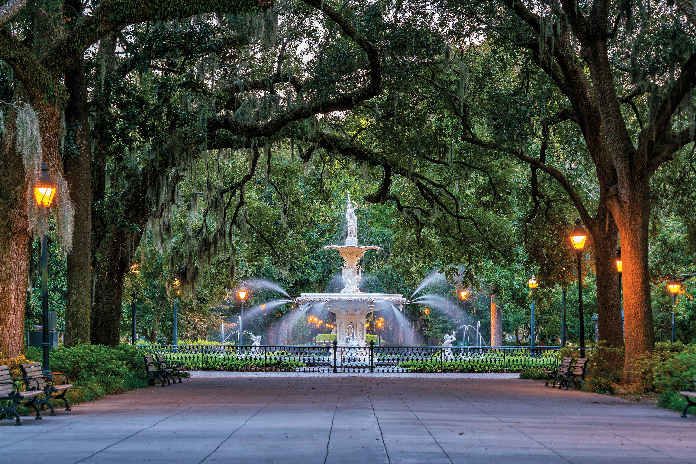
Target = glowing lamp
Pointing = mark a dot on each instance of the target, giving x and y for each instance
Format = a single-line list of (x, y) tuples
[(532, 282), (619, 263), (426, 311), (674, 286), (463, 294), (44, 191), (242, 293), (578, 236)]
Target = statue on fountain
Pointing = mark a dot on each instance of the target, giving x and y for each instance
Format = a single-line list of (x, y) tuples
[(447, 346), (449, 339), (255, 344), (352, 221), (352, 340)]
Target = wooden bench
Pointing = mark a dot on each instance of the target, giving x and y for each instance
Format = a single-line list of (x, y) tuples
[(557, 374), (34, 379), (13, 397), (153, 370), (575, 375), (172, 370), (689, 393)]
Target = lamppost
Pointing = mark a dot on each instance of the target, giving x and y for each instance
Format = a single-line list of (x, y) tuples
[(44, 191), (464, 296), (619, 269), (532, 282), (133, 319), (578, 237), (674, 287), (175, 334), (380, 325), (242, 294)]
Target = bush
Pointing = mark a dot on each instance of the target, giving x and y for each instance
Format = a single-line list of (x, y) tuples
[(95, 370), (532, 373)]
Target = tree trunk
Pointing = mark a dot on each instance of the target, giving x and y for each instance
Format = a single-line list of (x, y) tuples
[(14, 251), (633, 226), (605, 237), (77, 162), (109, 269)]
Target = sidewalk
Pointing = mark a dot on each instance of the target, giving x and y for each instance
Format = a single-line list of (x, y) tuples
[(353, 418)]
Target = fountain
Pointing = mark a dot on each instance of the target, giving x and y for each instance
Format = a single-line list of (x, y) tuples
[(350, 305)]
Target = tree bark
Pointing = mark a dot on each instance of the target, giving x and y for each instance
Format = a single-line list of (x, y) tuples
[(633, 220), (604, 238), (77, 163), (14, 246), (110, 268)]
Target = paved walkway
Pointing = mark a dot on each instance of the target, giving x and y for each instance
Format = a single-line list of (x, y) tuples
[(350, 418)]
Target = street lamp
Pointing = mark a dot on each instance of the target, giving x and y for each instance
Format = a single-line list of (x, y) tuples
[(175, 331), (44, 191), (674, 287), (133, 320), (578, 237), (242, 294), (532, 283), (380, 325)]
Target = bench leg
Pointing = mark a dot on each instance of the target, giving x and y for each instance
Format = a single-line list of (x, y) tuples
[(8, 413), (688, 405)]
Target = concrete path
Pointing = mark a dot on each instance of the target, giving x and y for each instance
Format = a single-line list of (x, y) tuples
[(351, 418)]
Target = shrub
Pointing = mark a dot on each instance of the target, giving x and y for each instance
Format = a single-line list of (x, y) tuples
[(532, 373)]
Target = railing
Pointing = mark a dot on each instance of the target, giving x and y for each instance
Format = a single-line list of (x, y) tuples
[(323, 358)]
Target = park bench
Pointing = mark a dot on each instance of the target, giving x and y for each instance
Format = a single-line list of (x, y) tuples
[(10, 397), (689, 393), (575, 375), (154, 372), (172, 370), (34, 379), (557, 374)]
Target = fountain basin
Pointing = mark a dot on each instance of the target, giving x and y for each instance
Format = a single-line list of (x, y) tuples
[(351, 310)]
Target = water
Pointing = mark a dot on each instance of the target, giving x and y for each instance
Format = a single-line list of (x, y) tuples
[(394, 316), (445, 305), (263, 308), (266, 285), (435, 276)]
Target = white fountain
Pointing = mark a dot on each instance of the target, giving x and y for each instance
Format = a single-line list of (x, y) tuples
[(351, 306)]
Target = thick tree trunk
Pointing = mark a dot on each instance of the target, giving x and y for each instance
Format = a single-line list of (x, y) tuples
[(14, 241), (77, 162), (605, 237), (110, 269), (633, 226)]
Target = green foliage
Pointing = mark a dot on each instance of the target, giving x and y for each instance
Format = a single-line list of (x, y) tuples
[(532, 373), (493, 361), (96, 370), (232, 361), (667, 368)]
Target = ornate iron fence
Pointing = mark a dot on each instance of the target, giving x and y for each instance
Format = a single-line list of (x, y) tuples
[(327, 358)]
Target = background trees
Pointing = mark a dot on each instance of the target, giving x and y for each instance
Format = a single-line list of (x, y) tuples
[(225, 137)]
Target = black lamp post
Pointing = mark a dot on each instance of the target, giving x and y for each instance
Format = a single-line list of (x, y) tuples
[(578, 237), (175, 329), (674, 287), (44, 191), (242, 293), (133, 319), (532, 282)]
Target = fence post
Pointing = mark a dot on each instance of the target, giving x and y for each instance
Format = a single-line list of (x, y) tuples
[(265, 357), (335, 350), (372, 355)]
